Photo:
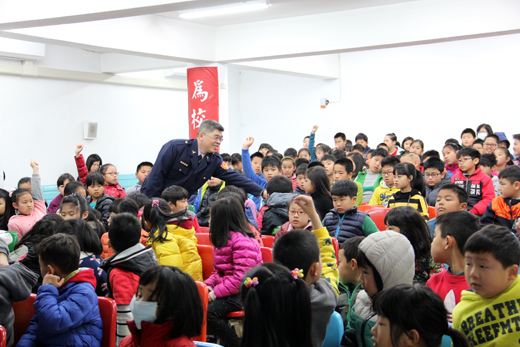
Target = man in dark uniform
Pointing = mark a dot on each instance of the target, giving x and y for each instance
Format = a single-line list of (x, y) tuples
[(190, 163)]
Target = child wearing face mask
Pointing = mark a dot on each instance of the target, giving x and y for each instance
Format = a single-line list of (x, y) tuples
[(167, 310)]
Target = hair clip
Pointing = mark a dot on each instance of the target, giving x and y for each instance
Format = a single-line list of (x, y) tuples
[(251, 282), (297, 273), (155, 202), (139, 213)]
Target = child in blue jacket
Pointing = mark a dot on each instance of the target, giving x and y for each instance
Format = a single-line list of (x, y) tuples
[(66, 306)]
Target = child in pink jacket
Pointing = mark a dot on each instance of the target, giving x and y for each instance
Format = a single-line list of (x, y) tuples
[(236, 251), (29, 203)]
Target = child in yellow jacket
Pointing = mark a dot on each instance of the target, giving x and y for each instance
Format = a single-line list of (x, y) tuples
[(172, 237)]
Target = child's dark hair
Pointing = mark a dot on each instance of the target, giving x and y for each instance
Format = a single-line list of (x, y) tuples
[(139, 198), (124, 231), (301, 169), (256, 155), (407, 138), (408, 169), (237, 156), (304, 150), (94, 177), (344, 188), (279, 156), (382, 144), (9, 209), (42, 229), (390, 161), (487, 127), (431, 154), (346, 163), (174, 193), (62, 178), (103, 168), (157, 212), (461, 193), (290, 159), (358, 148), (60, 250), (114, 205), (227, 214), (488, 160), (510, 173), (77, 201), (470, 152), (453, 141), (361, 136), (265, 145), (411, 224), (277, 311), (177, 299), (279, 184), (92, 159), (478, 141), (271, 161), (419, 142), (297, 249), (434, 163), (350, 247), (381, 152), (88, 241), (128, 206), (458, 224), (468, 131), (339, 153), (315, 163), (226, 157), (506, 153), (340, 135), (301, 161), (144, 163), (405, 306), (392, 137), (359, 161), (320, 180), (453, 146), (324, 148), (290, 152), (72, 187), (239, 192), (15, 196), (24, 180), (497, 240), (370, 152), (363, 261), (328, 157)]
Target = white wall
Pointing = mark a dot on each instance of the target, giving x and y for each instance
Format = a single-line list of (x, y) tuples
[(431, 92), (42, 119)]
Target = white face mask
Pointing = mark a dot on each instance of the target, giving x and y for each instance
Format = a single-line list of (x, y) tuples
[(482, 136), (143, 311)]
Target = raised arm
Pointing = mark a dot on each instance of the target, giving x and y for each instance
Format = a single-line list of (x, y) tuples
[(311, 143), (36, 182), (80, 164), (247, 167)]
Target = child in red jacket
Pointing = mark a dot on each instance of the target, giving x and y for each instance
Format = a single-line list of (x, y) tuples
[(476, 183)]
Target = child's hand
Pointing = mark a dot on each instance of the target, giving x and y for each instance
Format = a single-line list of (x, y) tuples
[(54, 280), (212, 296), (79, 148), (248, 142), (307, 205), (314, 129), (35, 166)]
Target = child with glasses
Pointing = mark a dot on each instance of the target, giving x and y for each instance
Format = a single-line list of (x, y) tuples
[(476, 183), (491, 143), (112, 187), (298, 219), (435, 177), (386, 188)]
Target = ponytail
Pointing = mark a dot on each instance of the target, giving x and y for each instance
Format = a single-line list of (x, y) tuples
[(457, 338), (158, 213)]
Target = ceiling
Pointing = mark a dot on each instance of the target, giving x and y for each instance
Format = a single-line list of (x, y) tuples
[(286, 9)]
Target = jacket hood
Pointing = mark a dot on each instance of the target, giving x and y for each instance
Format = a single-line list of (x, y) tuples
[(83, 275), (392, 255), (18, 280), (279, 199)]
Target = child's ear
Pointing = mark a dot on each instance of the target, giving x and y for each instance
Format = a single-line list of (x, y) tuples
[(450, 242), (354, 264), (513, 272), (443, 174), (411, 337), (15, 205), (350, 175), (50, 269), (172, 205), (84, 215), (354, 198), (464, 206), (516, 185), (312, 274)]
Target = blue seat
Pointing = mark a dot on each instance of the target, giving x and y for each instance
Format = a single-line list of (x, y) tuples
[(446, 341), (205, 344), (127, 180), (335, 331), (50, 192)]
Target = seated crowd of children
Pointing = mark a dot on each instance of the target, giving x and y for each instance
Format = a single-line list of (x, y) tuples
[(417, 281)]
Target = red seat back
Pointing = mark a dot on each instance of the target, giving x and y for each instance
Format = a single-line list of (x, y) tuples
[(23, 312), (335, 243), (203, 239), (268, 241), (206, 255), (204, 296), (378, 216), (267, 254), (204, 230), (431, 211), (3, 337), (108, 312)]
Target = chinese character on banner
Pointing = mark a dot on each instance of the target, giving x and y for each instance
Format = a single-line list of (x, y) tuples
[(203, 103), (197, 118)]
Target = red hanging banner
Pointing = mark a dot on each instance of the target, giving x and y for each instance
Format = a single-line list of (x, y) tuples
[(202, 97)]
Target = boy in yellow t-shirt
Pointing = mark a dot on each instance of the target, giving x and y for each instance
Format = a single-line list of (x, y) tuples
[(386, 188), (489, 313)]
